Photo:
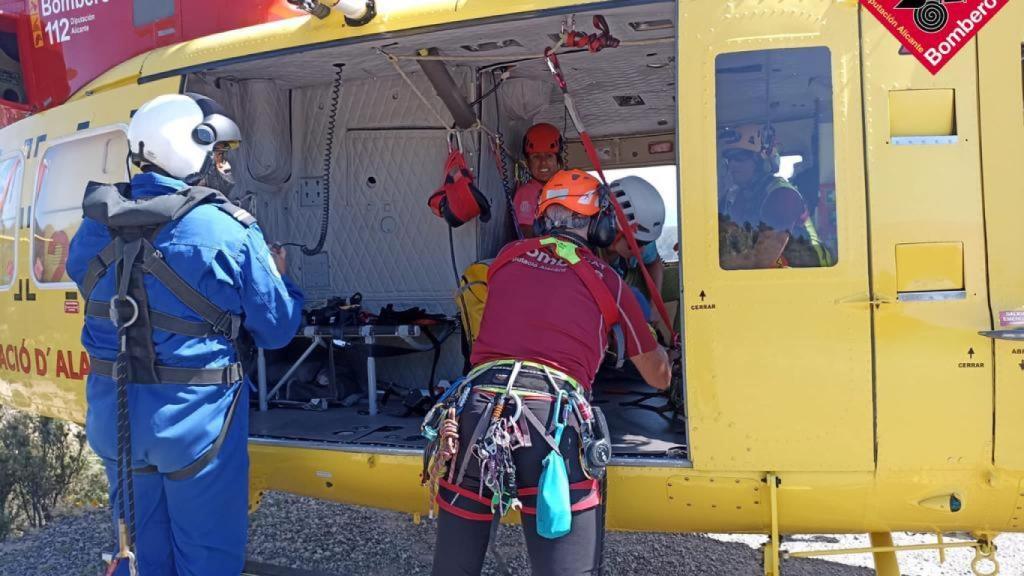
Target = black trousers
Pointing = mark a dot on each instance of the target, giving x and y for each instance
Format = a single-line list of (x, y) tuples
[(463, 536)]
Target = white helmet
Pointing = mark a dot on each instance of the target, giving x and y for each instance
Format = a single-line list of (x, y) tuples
[(642, 204), (177, 133)]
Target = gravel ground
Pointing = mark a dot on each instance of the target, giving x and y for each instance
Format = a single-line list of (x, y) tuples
[(347, 540)]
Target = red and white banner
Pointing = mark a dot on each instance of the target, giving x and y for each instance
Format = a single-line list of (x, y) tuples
[(934, 30)]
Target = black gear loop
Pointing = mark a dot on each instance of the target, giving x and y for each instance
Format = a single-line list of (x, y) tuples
[(931, 17)]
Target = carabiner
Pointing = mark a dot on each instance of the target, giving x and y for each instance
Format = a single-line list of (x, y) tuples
[(561, 414), (556, 70)]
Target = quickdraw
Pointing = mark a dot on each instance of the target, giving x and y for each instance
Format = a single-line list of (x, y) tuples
[(441, 427), (494, 450)]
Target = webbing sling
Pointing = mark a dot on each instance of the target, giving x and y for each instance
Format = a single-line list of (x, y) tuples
[(175, 375)]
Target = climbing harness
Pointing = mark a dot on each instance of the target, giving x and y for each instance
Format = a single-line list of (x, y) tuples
[(503, 428), (134, 225)]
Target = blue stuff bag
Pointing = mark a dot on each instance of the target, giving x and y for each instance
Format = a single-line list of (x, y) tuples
[(554, 512)]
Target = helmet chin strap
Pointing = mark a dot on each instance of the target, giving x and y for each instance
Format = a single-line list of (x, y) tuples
[(196, 177)]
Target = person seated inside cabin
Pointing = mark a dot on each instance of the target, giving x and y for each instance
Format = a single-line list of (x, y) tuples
[(544, 151), (763, 220), (644, 209)]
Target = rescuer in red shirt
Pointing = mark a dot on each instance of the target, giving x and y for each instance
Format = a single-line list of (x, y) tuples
[(543, 149), (518, 432)]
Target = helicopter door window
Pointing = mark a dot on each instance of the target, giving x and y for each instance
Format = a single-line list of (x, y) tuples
[(149, 11), (776, 191), (10, 209), (65, 169)]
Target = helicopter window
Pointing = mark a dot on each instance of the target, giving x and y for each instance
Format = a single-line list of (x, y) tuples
[(64, 170), (149, 11), (776, 193), (10, 204)]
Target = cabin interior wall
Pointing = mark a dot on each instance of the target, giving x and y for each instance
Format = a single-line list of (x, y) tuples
[(387, 157), (389, 149)]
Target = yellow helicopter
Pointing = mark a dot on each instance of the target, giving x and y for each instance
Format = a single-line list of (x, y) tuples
[(880, 391)]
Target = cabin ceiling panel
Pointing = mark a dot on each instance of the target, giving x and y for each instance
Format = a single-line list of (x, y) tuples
[(646, 70)]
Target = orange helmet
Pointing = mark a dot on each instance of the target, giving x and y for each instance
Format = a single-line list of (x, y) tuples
[(542, 138), (574, 189)]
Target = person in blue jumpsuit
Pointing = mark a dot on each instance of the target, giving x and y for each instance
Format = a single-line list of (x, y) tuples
[(198, 525)]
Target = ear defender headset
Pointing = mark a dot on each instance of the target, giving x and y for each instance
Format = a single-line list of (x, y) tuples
[(204, 134), (603, 227)]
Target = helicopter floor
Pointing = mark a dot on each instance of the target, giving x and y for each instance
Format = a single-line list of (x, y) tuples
[(635, 430)]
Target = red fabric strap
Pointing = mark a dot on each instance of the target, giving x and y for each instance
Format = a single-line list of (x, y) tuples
[(593, 499), (627, 231), (463, 492), (465, 514), (589, 484), (461, 512)]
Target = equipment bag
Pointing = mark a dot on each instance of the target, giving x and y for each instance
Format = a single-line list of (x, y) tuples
[(458, 200), (554, 511), (471, 297)]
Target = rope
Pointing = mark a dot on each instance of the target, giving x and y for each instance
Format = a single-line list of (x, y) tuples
[(394, 62), (447, 452), (125, 478)]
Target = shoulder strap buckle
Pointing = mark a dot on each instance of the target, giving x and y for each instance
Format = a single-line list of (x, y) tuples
[(228, 325)]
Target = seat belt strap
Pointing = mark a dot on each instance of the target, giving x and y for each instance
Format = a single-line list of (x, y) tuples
[(98, 266), (159, 321), (225, 376), (203, 461)]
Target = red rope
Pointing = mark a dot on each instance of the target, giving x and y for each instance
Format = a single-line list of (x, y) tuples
[(620, 216)]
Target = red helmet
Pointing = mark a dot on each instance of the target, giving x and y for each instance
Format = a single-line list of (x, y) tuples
[(542, 138)]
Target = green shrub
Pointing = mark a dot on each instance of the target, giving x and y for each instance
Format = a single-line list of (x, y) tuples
[(44, 463)]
